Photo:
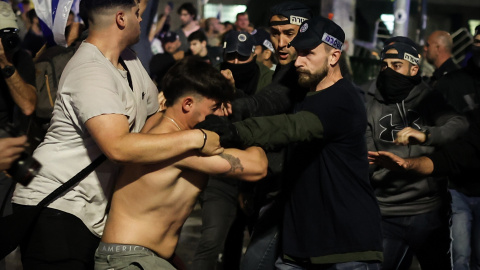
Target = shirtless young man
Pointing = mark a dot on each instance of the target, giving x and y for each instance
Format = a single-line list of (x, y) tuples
[(151, 202)]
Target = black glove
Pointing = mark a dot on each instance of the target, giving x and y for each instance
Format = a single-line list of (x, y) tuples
[(228, 133)]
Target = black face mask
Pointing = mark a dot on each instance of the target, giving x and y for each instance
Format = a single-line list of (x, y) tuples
[(476, 55), (245, 75), (394, 86)]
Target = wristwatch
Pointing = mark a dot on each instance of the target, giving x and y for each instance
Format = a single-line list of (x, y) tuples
[(8, 71)]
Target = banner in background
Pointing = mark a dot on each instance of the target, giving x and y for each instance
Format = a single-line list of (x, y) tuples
[(53, 15)]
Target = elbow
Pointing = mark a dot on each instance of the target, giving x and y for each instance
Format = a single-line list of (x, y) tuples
[(29, 110), (117, 155), (260, 172)]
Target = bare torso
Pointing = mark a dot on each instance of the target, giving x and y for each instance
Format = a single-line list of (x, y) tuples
[(150, 205)]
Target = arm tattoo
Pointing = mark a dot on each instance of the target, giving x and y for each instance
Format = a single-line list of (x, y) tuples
[(233, 161)]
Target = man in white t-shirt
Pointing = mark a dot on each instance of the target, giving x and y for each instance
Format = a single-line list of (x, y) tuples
[(105, 97)]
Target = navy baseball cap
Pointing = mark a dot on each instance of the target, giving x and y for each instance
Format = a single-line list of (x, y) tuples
[(238, 41), (405, 52), (262, 37), (294, 11), (317, 30)]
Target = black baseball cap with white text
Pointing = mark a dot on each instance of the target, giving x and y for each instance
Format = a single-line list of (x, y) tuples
[(295, 12), (317, 30)]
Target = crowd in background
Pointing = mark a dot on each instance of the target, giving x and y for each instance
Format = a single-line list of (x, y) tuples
[(406, 213)]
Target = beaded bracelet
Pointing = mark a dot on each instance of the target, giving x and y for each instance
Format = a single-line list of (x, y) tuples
[(204, 138)]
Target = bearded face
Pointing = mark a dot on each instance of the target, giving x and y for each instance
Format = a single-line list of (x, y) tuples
[(311, 78)]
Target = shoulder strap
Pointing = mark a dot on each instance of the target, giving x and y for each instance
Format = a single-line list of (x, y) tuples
[(73, 181)]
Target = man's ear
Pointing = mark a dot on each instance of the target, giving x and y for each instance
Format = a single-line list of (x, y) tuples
[(267, 54), (414, 70), (204, 43), (335, 57), (187, 104), (120, 19)]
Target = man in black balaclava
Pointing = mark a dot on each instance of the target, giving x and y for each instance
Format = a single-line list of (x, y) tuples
[(415, 210), (239, 59)]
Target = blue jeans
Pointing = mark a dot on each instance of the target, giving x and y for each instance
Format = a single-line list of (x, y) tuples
[(219, 210), (465, 231), (264, 245), (287, 265), (427, 236)]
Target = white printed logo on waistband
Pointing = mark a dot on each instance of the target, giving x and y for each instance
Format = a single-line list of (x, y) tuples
[(332, 41), (297, 20)]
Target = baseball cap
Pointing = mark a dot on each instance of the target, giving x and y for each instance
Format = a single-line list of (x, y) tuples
[(405, 52), (401, 39), (262, 37), (238, 41), (294, 11), (317, 30), (7, 17), (168, 36)]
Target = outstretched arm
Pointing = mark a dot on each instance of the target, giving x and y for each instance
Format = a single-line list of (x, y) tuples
[(420, 165), (112, 135), (249, 164)]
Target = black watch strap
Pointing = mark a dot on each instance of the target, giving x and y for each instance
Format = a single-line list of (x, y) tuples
[(8, 71)]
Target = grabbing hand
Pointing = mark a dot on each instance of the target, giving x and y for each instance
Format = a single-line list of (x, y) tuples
[(224, 128), (10, 150), (227, 73), (410, 136), (211, 144)]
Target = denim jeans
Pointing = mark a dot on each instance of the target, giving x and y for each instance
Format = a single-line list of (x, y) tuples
[(465, 231), (287, 265), (427, 236), (219, 209), (263, 248)]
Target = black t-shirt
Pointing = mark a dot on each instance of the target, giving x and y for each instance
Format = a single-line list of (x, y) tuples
[(23, 62), (330, 205)]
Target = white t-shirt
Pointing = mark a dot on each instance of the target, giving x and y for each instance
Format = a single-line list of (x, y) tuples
[(90, 86)]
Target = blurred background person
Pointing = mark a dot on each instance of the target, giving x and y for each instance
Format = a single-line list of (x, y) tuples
[(242, 22), (199, 47), (438, 52), (33, 40), (188, 19)]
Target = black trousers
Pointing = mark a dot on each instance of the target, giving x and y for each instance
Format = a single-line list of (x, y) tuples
[(58, 240)]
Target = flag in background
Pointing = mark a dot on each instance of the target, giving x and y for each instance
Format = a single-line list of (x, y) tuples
[(53, 15)]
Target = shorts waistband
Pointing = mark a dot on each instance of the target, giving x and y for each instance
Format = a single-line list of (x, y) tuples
[(109, 248)]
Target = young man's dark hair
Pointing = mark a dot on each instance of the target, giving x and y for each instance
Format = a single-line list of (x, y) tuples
[(190, 8), (192, 74), (197, 35)]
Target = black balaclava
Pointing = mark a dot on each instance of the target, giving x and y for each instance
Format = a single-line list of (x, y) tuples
[(395, 87), (245, 75)]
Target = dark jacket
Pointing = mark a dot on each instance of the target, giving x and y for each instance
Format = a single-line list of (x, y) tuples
[(408, 194), (461, 88)]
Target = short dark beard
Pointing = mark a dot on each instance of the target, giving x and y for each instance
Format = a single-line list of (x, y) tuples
[(308, 80)]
